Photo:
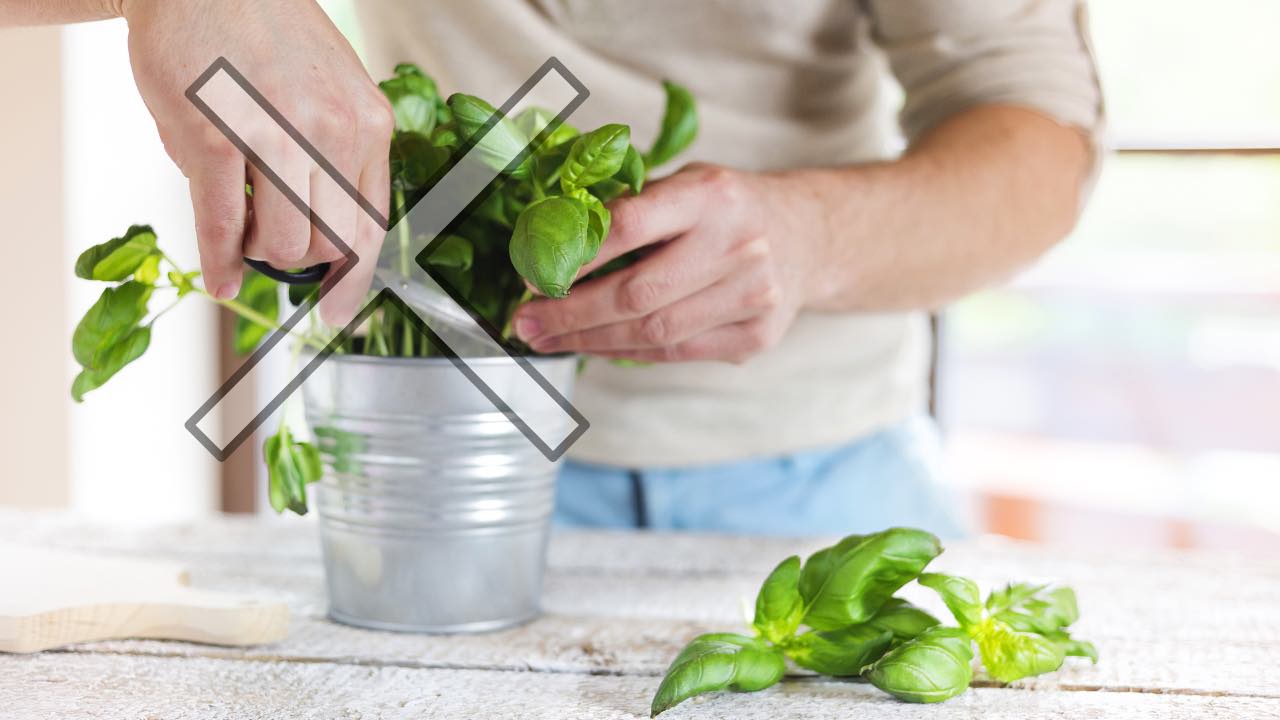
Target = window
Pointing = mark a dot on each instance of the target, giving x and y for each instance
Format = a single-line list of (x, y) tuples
[(1128, 385)]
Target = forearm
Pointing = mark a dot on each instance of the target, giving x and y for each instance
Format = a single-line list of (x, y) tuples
[(56, 12), (977, 198)]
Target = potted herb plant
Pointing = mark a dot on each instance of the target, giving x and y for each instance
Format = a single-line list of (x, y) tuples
[(434, 510)]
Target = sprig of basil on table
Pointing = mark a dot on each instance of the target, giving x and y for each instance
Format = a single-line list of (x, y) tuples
[(843, 595)]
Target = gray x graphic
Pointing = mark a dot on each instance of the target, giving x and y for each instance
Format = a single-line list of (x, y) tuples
[(231, 103)]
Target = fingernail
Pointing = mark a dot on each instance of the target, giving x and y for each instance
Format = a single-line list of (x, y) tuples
[(528, 328), (227, 291)]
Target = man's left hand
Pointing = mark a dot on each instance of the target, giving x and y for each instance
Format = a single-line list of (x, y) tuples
[(730, 255)]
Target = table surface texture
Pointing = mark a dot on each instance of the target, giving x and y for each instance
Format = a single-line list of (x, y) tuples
[(1180, 635)]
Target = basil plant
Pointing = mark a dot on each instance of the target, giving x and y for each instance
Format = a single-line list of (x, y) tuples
[(542, 218)]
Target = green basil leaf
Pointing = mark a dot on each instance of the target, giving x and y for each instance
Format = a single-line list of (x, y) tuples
[(1009, 655), (902, 619), (679, 126), (262, 294), (413, 99), (116, 313), (840, 653), (532, 121), (960, 595), (548, 165), (148, 271), (183, 281), (501, 144), (718, 661), (291, 466), (608, 189), (121, 353), (1077, 648), (632, 172), (598, 221), (445, 137), (935, 666), (452, 251), (1034, 608), (779, 605), (117, 258), (415, 160), (848, 584), (595, 156), (1011, 595), (550, 243)]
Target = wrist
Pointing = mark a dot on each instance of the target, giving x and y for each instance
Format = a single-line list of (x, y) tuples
[(819, 211)]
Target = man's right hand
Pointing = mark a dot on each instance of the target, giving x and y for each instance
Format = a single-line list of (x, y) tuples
[(294, 56)]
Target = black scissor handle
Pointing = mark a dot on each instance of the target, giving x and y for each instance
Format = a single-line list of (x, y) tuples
[(313, 274)]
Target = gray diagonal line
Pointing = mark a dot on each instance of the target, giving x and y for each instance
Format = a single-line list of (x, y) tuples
[(459, 187)]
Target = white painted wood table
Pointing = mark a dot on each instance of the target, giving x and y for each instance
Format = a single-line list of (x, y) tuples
[(1181, 636)]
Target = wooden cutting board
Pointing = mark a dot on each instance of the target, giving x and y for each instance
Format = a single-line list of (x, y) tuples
[(52, 598)]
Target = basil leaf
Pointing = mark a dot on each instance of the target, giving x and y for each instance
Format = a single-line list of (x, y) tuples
[(1077, 648), (679, 126), (718, 661), (183, 281), (779, 605), (595, 156), (413, 99), (550, 242), (452, 252), (960, 595), (839, 653), (902, 619), (262, 294), (1009, 655), (415, 160), (117, 311), (1042, 611), (931, 668), (632, 172), (501, 144), (445, 137), (608, 189), (847, 584), (548, 165), (532, 121), (598, 221), (117, 258), (1011, 595), (291, 466), (126, 350)]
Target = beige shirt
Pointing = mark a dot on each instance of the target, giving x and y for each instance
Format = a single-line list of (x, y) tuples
[(781, 83)]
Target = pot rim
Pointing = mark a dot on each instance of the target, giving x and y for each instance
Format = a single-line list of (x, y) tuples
[(362, 359)]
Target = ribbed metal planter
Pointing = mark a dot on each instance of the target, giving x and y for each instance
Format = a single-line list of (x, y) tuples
[(434, 509)]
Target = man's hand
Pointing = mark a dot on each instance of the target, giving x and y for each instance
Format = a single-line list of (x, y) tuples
[(730, 255), (735, 255), (308, 71)]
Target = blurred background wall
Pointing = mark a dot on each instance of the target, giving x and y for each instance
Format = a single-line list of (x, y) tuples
[(34, 431), (1124, 389)]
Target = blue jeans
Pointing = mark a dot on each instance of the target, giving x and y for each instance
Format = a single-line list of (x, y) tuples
[(886, 479)]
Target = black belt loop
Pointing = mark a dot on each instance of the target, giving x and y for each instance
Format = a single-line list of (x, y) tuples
[(637, 499)]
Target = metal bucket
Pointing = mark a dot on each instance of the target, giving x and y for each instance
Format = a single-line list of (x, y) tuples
[(434, 509)]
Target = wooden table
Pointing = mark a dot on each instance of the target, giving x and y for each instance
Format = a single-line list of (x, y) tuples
[(1181, 636)]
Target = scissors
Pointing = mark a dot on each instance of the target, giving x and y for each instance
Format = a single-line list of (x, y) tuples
[(422, 294)]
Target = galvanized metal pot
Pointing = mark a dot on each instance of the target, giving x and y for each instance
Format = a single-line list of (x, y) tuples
[(434, 509)]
